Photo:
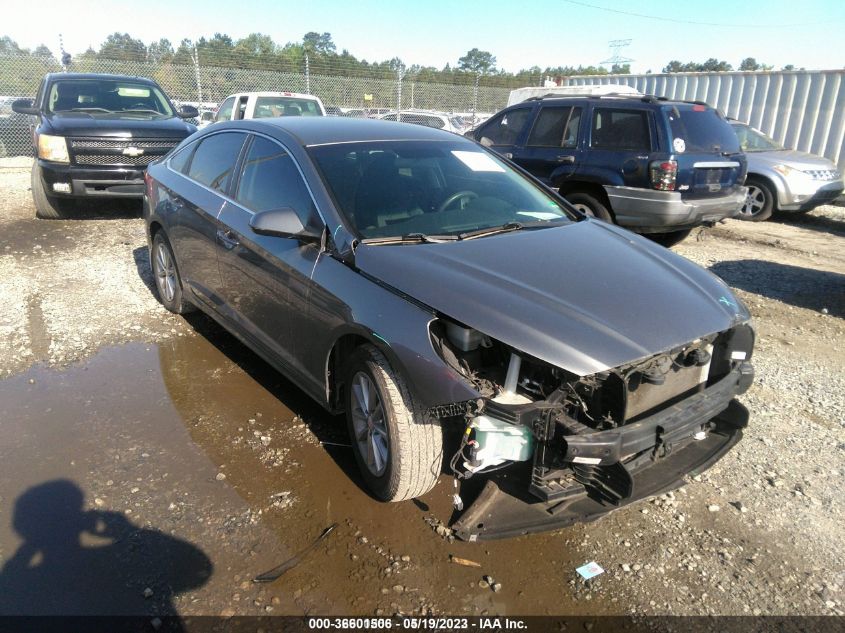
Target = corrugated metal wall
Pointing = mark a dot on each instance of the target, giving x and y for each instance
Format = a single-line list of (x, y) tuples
[(804, 110)]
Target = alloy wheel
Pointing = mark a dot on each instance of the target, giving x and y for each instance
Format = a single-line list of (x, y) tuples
[(165, 273), (755, 200), (369, 424)]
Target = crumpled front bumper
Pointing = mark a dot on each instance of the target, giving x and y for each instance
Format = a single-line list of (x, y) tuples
[(506, 507)]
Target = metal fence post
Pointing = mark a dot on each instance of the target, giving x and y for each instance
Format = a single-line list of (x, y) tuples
[(399, 74), (196, 59), (307, 75)]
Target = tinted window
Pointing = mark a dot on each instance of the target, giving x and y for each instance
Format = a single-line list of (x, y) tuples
[(97, 97), (556, 127), (505, 128), (215, 159), (620, 129), (225, 111), (702, 129), (179, 161), (270, 180)]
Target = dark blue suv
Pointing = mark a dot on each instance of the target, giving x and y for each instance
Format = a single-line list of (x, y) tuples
[(654, 166)]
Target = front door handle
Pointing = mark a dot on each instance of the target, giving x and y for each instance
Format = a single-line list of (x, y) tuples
[(228, 239), (566, 159), (508, 155)]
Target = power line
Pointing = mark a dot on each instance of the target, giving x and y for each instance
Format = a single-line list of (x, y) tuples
[(678, 21)]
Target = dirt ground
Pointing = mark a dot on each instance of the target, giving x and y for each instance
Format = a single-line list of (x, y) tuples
[(150, 464)]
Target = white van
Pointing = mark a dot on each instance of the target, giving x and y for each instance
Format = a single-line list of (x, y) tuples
[(258, 105)]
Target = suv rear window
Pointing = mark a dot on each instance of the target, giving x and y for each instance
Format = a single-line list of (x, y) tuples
[(702, 129)]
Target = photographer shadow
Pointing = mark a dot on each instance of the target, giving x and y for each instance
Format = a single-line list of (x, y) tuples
[(92, 562)]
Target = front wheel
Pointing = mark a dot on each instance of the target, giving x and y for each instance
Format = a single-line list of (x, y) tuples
[(589, 205), (46, 207), (759, 202), (398, 449)]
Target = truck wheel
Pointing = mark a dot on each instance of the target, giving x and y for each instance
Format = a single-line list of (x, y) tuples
[(589, 205), (669, 239), (398, 449), (759, 203), (166, 274), (46, 207)]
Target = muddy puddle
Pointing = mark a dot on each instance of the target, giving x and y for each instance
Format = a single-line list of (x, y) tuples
[(199, 442)]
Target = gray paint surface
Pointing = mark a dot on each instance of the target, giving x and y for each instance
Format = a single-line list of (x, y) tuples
[(800, 109)]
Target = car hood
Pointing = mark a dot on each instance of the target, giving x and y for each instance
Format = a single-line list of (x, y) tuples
[(585, 297), (118, 125), (791, 157)]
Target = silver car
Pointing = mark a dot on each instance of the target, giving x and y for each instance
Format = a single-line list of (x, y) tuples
[(781, 179)]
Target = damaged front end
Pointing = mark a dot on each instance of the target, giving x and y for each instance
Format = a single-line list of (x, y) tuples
[(555, 448)]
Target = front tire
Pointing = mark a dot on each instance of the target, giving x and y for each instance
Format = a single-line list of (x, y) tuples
[(46, 207), (590, 205), (166, 275), (759, 203), (398, 449)]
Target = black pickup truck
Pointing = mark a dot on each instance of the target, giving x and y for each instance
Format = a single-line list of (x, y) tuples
[(95, 134)]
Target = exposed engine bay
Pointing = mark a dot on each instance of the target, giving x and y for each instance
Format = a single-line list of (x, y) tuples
[(587, 436)]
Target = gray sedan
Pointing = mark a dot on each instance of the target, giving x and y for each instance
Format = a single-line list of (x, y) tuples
[(781, 179), (466, 320)]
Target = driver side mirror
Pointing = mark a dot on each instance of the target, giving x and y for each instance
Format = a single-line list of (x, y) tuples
[(187, 112), (283, 222), (24, 106)]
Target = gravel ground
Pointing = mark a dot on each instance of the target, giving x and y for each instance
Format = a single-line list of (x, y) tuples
[(761, 532)]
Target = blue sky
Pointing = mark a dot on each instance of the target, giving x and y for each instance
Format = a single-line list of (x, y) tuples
[(433, 32)]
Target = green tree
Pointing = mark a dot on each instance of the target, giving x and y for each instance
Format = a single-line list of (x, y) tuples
[(123, 47), (477, 62), (8, 46), (620, 69), (160, 52), (789, 67), (318, 43)]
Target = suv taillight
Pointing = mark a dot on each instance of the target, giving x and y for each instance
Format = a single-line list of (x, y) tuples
[(663, 173)]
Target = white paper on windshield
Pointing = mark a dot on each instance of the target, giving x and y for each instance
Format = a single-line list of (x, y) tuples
[(540, 215), (477, 161)]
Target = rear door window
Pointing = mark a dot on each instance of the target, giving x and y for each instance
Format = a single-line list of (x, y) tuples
[(701, 129), (270, 180), (214, 160), (617, 129), (505, 128), (556, 127)]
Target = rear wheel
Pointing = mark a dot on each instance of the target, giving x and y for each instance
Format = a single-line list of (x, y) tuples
[(398, 449), (759, 203), (589, 205), (166, 274), (46, 207), (669, 239)]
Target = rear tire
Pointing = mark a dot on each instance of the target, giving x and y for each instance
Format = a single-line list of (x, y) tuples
[(398, 449), (166, 274), (590, 205), (759, 203), (46, 207), (669, 239)]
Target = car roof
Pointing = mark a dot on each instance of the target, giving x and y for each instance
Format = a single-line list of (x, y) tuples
[(330, 130), (611, 99), (102, 76)]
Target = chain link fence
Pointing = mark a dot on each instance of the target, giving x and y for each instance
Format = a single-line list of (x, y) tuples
[(206, 86)]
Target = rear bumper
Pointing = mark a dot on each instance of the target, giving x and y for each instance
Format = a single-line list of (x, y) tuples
[(651, 211), (507, 507), (87, 182)]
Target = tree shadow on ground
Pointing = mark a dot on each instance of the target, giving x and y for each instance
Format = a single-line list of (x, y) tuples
[(92, 562), (802, 287)]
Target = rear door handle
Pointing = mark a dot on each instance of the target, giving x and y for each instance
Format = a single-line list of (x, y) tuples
[(228, 239), (566, 159)]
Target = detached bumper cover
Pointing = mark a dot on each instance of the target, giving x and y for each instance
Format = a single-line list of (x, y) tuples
[(506, 507), (651, 211)]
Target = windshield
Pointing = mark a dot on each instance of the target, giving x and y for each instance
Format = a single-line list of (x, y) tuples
[(98, 96), (751, 140), (433, 188), (285, 106), (700, 129)]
